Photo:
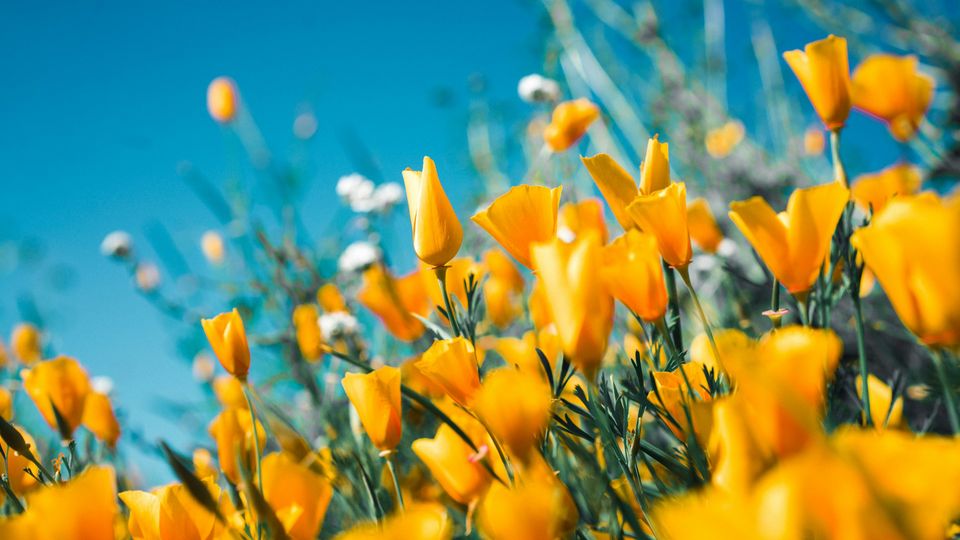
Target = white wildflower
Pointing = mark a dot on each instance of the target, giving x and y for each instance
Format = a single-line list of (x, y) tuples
[(726, 248), (117, 244), (102, 385), (304, 125), (358, 256), (337, 324), (538, 89)]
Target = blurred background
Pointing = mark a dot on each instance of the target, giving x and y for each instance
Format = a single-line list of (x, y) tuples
[(104, 127)]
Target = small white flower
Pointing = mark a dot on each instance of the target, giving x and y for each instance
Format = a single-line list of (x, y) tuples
[(304, 125), (566, 235), (118, 244), (726, 248), (355, 189), (102, 385), (147, 276), (358, 256), (387, 195), (704, 263), (337, 324), (538, 89)]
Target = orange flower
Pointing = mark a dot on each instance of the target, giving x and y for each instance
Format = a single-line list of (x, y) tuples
[(890, 88), (233, 432), (228, 339), (298, 495), (664, 213), (393, 300), (635, 255), (223, 100), (437, 233), (170, 512), (516, 405), (722, 140), (617, 186), (61, 383), (873, 191), (309, 338), (502, 288), (452, 461), (18, 465), (522, 216), (703, 225), (578, 218), (99, 418), (814, 141), (824, 72), (452, 365), (330, 299), (85, 508), (376, 397), (27, 343), (569, 123)]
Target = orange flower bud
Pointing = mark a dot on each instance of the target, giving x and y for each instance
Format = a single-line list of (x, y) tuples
[(61, 383), (824, 72), (569, 123), (223, 99), (228, 340), (376, 397), (436, 230)]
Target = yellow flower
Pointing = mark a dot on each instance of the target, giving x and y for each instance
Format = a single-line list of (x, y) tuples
[(577, 218), (569, 123), (722, 140), (703, 225), (26, 343), (453, 462), (228, 340), (824, 72), (676, 400), (84, 508), (655, 169), (502, 289), (576, 298), (452, 365), (664, 213), (521, 217), (99, 418), (873, 191), (634, 254), (309, 338), (516, 405), (233, 432), (229, 392), (393, 300), (61, 383), (6, 404), (617, 186), (885, 408), (538, 508), (223, 100), (211, 243), (522, 351), (890, 88), (814, 141), (298, 495), (795, 243), (420, 521), (170, 513), (458, 271), (376, 397), (21, 481), (436, 230), (330, 299), (203, 464), (913, 248)]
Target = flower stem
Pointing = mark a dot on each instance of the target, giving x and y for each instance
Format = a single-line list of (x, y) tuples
[(775, 303), (685, 276), (247, 389), (451, 317), (671, 281), (862, 357), (937, 356), (388, 456), (839, 172)]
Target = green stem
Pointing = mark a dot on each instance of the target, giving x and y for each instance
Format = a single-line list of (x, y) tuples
[(775, 303), (671, 281), (661, 326), (247, 389), (685, 276), (937, 356), (862, 356), (802, 308), (442, 279), (388, 456), (839, 172)]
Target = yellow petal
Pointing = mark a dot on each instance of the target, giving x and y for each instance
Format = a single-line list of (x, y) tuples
[(436, 230), (703, 225), (664, 213), (569, 123), (890, 88), (824, 71), (813, 214), (616, 185), (522, 216), (376, 397), (452, 365), (655, 170), (873, 191)]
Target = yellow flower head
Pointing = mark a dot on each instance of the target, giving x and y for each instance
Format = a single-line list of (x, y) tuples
[(539, 508), (223, 99), (393, 300), (452, 365), (330, 299), (436, 230), (824, 72), (228, 339), (873, 191), (664, 213), (516, 405), (703, 227), (522, 216), (578, 218), (27, 343), (453, 463), (569, 123), (99, 418), (298, 495), (61, 383), (170, 512), (722, 140), (309, 338), (794, 243), (635, 254), (890, 88), (233, 433), (376, 397)]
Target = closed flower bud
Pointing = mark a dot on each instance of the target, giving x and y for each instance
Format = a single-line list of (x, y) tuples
[(228, 339), (436, 230), (26, 343), (824, 72), (376, 398), (309, 338), (99, 418), (664, 213), (890, 88), (61, 383), (223, 99)]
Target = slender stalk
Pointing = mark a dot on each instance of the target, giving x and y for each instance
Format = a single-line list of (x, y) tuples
[(685, 276), (442, 279), (839, 172), (802, 307), (496, 443), (862, 356), (388, 456), (775, 303), (247, 389), (948, 398), (671, 281)]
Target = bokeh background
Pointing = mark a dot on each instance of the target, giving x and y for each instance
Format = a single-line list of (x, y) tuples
[(103, 116)]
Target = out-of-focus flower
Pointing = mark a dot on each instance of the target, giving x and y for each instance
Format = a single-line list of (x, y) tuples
[(99, 418), (576, 298), (873, 191), (722, 140), (203, 367), (61, 383), (147, 276), (890, 88), (664, 213), (330, 299), (420, 521), (85, 508), (228, 339), (21, 472), (233, 432), (6, 404), (354, 187), (211, 243), (452, 461), (298, 495), (394, 299), (223, 100), (376, 398), (913, 248), (702, 225), (386, 196), (522, 216), (569, 123), (307, 327), (359, 255), (502, 289), (305, 125), (794, 243), (537, 508), (635, 254), (229, 392), (824, 71), (886, 410), (814, 141), (27, 343), (170, 512), (337, 324), (203, 464), (436, 230), (452, 364), (536, 88), (118, 244), (458, 272), (577, 218), (516, 405)]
